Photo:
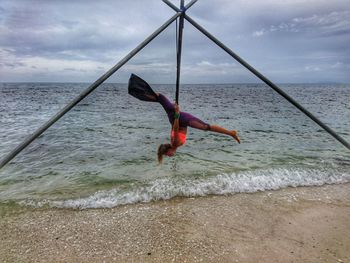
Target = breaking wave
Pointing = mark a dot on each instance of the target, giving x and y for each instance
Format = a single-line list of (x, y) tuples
[(167, 188)]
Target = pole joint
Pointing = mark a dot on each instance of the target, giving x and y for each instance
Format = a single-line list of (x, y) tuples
[(182, 7)]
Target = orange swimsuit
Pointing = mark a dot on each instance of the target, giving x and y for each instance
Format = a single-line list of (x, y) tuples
[(181, 136)]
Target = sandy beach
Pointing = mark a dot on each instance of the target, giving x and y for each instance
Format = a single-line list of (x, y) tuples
[(308, 224)]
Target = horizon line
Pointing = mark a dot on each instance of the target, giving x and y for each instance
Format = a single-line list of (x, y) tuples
[(212, 83)]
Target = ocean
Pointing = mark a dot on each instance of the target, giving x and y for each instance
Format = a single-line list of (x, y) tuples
[(103, 152)]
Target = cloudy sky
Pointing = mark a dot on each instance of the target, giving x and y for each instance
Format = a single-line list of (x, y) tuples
[(77, 41)]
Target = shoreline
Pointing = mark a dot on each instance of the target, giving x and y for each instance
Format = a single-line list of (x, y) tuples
[(304, 224)]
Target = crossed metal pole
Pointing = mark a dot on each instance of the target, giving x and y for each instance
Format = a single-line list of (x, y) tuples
[(180, 12)]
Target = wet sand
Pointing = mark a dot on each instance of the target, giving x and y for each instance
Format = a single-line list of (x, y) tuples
[(291, 225)]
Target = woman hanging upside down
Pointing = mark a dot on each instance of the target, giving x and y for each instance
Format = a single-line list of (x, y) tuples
[(178, 120)]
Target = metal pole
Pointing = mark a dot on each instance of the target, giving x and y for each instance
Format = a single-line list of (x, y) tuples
[(268, 82), (86, 92), (189, 5), (262, 77), (179, 50)]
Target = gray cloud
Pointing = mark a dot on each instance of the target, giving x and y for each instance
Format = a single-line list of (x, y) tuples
[(289, 41), (326, 25)]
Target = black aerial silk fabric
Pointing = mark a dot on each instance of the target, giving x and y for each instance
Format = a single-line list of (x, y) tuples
[(140, 89)]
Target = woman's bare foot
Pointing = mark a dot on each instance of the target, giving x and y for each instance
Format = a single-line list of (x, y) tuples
[(235, 136)]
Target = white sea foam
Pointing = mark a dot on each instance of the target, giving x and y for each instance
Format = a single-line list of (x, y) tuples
[(166, 188)]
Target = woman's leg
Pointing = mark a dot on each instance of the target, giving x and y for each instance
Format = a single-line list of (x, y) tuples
[(196, 123), (165, 102), (219, 129), (167, 106)]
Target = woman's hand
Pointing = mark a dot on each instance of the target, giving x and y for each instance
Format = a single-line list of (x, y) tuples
[(177, 108)]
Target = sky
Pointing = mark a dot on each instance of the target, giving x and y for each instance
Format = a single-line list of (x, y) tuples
[(289, 41)]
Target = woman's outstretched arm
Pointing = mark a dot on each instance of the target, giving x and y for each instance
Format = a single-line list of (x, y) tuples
[(176, 125)]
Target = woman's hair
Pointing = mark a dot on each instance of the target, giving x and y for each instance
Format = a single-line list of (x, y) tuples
[(162, 149)]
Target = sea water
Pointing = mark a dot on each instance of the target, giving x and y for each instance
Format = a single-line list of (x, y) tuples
[(103, 152)]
